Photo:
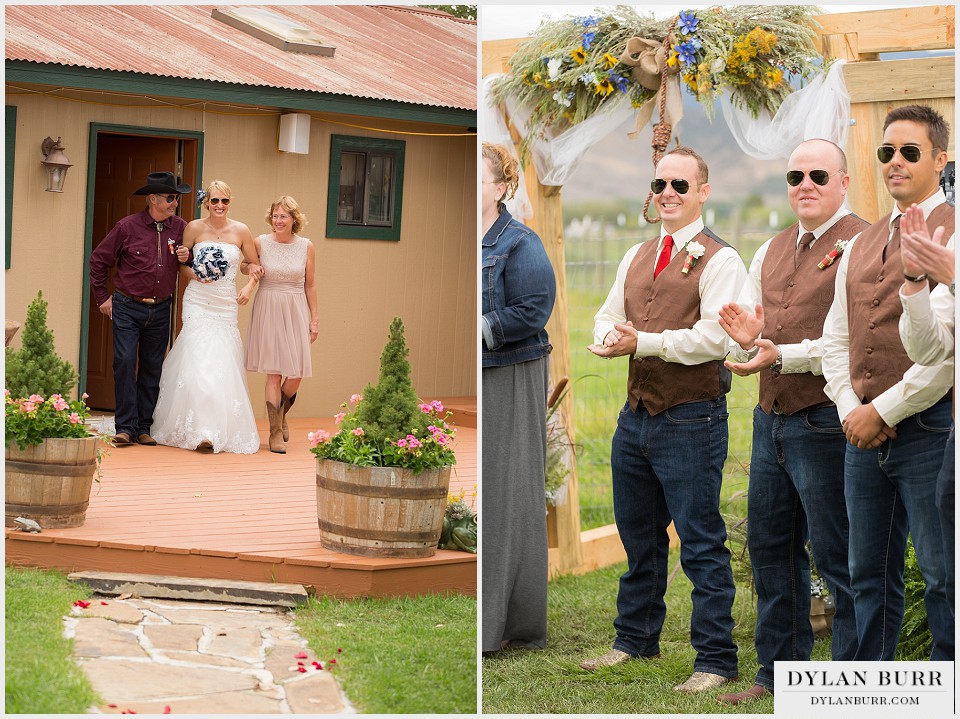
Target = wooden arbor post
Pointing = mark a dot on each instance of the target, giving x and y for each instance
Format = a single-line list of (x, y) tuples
[(876, 86), (563, 522)]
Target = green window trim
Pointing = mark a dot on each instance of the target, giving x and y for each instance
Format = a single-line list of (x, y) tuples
[(11, 145), (340, 144)]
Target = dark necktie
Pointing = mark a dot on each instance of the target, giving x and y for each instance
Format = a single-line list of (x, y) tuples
[(802, 247), (894, 244), (664, 259)]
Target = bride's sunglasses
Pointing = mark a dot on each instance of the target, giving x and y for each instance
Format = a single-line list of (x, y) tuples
[(910, 153), (218, 200), (659, 185), (819, 177)]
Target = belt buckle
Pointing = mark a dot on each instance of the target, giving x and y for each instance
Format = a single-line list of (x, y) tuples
[(777, 409), (148, 300)]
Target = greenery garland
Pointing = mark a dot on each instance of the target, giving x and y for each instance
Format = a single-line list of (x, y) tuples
[(568, 69)]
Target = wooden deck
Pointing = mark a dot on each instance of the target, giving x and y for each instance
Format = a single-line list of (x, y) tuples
[(161, 510)]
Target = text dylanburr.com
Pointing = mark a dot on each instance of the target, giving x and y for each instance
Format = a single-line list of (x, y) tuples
[(849, 690)]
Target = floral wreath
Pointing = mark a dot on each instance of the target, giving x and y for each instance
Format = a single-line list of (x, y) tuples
[(569, 69)]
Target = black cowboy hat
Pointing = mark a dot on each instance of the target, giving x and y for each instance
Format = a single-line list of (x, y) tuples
[(163, 183)]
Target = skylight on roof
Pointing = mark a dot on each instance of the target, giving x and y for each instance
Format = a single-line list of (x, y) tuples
[(274, 29)]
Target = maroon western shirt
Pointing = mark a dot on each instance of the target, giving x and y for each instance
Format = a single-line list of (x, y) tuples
[(145, 266)]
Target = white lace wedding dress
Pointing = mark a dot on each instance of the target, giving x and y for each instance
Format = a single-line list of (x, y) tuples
[(203, 387)]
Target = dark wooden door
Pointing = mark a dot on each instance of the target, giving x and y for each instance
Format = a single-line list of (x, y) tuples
[(123, 163)]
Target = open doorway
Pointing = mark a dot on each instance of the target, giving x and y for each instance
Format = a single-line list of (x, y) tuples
[(122, 163)]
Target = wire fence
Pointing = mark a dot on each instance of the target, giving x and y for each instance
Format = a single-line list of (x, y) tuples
[(593, 253)]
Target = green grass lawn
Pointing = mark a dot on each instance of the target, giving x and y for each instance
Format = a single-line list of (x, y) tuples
[(407, 655), (40, 676), (581, 610), (400, 656)]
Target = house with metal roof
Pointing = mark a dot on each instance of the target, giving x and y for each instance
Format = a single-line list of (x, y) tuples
[(365, 114)]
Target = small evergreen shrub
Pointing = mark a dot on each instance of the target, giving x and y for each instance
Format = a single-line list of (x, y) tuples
[(36, 369)]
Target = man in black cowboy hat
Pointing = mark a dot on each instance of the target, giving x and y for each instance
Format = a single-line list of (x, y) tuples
[(147, 250)]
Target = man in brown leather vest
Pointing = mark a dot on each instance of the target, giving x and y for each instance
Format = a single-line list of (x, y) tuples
[(796, 466), (896, 414), (671, 439)]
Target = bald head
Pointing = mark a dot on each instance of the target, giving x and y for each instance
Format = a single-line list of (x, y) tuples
[(814, 204)]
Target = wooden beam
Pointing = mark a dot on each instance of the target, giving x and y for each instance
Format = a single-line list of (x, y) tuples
[(895, 30), (895, 80), (497, 54)]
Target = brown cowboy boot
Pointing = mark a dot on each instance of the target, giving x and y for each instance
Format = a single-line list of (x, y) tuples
[(285, 404), (276, 434)]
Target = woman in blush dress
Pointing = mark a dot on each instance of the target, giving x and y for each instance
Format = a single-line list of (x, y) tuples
[(284, 321), (203, 400)]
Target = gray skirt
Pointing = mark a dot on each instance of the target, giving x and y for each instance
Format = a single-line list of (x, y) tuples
[(513, 523)]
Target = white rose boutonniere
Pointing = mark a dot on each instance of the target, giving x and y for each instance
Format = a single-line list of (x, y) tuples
[(694, 252)]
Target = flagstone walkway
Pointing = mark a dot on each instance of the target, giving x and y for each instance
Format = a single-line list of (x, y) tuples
[(161, 656)]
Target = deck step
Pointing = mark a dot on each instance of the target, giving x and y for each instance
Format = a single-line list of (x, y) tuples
[(211, 590)]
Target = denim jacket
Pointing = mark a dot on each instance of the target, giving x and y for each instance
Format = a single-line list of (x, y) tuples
[(519, 289)]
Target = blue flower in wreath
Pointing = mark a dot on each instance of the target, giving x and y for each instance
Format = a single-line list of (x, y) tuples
[(688, 23), (622, 84), (201, 196), (687, 51), (588, 39), (210, 264)]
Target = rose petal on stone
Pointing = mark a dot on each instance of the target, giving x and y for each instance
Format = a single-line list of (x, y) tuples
[(105, 604), (300, 655), (302, 670), (166, 709)]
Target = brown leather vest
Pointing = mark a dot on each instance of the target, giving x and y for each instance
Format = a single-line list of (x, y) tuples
[(795, 304), (669, 302), (877, 357)]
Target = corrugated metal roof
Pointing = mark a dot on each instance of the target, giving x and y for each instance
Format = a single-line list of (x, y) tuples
[(382, 52)]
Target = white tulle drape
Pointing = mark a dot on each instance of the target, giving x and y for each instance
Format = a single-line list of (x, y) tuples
[(819, 110), (493, 127)]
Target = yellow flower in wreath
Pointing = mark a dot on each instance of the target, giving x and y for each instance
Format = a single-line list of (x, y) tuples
[(610, 60), (579, 55), (773, 77), (673, 59), (763, 40), (691, 81), (604, 87)]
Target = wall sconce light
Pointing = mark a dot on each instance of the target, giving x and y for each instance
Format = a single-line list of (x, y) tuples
[(56, 163)]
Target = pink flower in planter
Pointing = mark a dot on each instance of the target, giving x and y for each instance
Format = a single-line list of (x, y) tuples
[(84, 396), (36, 398), (76, 418), (27, 406), (338, 417), (437, 405), (358, 432), (440, 438), (60, 404), (424, 407), (355, 398), (401, 443), (318, 437), (413, 442)]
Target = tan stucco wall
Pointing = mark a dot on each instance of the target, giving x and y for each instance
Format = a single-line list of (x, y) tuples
[(428, 277)]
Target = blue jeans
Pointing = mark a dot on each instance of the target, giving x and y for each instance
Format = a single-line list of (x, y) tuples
[(796, 493), (946, 505), (669, 466), (891, 490), (140, 336)]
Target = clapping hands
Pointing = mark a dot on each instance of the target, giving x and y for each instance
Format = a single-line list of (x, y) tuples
[(921, 253)]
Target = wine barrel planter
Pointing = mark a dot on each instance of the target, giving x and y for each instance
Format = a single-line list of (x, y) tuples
[(380, 511), (50, 482)]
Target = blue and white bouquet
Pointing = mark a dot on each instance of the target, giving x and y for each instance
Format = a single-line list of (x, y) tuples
[(210, 264)]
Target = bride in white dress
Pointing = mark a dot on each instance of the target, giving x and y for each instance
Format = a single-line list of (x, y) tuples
[(203, 399)]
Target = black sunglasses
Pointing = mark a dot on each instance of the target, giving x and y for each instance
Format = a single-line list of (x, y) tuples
[(819, 177), (659, 185), (910, 153), (168, 198), (218, 200)]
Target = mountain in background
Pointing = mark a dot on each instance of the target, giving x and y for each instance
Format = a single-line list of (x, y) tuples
[(618, 168)]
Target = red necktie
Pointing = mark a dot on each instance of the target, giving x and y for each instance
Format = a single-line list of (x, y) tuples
[(664, 259)]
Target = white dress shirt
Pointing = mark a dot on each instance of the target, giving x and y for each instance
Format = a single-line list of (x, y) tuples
[(920, 388), (797, 358), (720, 283), (927, 322)]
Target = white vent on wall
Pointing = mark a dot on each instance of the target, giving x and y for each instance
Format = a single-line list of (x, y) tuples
[(294, 133), (274, 29)]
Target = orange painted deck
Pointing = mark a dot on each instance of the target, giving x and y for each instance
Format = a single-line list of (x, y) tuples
[(161, 510)]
